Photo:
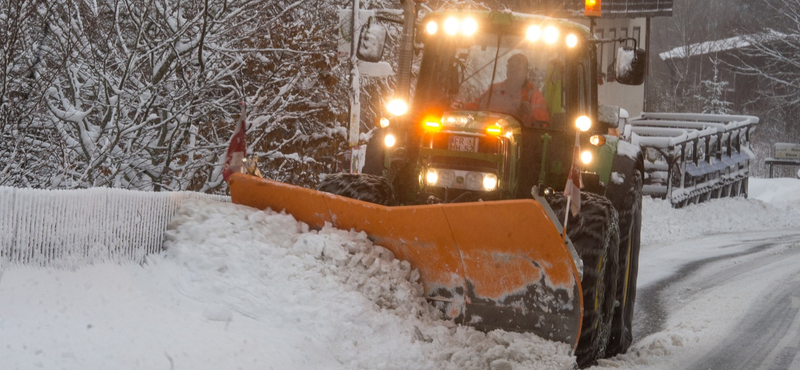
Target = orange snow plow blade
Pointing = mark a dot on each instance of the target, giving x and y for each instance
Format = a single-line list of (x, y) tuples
[(491, 265)]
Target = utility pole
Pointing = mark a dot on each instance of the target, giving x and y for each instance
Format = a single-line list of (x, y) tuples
[(355, 89)]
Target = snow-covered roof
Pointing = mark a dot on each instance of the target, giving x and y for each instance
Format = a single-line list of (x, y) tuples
[(714, 46), (636, 8)]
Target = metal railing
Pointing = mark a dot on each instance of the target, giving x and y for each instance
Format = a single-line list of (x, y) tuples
[(691, 158)]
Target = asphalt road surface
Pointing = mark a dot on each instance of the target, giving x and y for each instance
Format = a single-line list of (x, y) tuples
[(768, 336)]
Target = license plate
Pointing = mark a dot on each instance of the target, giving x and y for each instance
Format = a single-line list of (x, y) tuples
[(463, 143)]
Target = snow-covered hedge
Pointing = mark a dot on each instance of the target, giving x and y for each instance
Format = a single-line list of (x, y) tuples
[(72, 228)]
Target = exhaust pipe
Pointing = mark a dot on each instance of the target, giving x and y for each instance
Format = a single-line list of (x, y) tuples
[(406, 57)]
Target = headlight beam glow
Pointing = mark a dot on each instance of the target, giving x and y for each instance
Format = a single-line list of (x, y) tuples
[(469, 26), (451, 26), (550, 35), (397, 107), (431, 177), (432, 27), (572, 40), (583, 123), (586, 157), (389, 140), (490, 182), (534, 33)]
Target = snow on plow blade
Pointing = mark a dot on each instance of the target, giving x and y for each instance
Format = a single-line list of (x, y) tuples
[(491, 265)]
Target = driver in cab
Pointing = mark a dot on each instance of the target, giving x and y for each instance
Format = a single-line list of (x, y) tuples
[(515, 96)]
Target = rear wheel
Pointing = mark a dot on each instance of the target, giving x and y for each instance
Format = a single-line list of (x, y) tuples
[(361, 186), (630, 225), (595, 234)]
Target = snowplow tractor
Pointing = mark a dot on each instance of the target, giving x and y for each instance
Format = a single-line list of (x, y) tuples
[(467, 183)]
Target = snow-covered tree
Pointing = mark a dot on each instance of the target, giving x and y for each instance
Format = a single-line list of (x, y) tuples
[(24, 151), (773, 35), (713, 93), (144, 94), (772, 55)]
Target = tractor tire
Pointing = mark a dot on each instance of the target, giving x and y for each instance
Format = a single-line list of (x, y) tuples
[(595, 235), (629, 210), (361, 186)]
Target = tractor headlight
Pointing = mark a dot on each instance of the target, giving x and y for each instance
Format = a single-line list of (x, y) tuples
[(597, 140), (451, 25), (572, 40), (469, 26), (397, 107), (534, 33), (586, 157), (550, 35), (490, 182), (389, 140), (457, 179), (583, 123), (431, 177), (432, 27)]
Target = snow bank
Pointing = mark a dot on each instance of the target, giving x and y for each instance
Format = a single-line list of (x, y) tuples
[(772, 204), (364, 307), (240, 288)]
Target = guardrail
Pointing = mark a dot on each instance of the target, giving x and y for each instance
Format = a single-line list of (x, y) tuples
[(691, 158)]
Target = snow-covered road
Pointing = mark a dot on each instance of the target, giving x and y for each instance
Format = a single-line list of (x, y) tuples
[(244, 289), (718, 284), (752, 284), (768, 334)]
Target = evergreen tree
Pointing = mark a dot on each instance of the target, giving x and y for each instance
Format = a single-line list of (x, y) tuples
[(713, 98)]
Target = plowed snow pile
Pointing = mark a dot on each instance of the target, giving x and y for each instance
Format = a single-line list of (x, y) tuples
[(350, 303), (243, 289), (238, 288)]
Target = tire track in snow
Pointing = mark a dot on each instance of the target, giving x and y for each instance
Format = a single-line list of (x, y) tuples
[(769, 335), (651, 315)]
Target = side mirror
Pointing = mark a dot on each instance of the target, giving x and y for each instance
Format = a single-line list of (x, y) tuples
[(371, 42), (629, 66)]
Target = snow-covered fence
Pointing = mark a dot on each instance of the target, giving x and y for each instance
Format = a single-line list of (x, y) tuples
[(72, 228), (691, 158)]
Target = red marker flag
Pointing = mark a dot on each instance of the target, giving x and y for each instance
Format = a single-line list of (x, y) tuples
[(237, 148), (574, 182)]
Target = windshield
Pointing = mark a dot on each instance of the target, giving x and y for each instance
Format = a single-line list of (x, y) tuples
[(498, 74)]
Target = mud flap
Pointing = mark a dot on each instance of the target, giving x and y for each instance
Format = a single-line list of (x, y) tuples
[(491, 265)]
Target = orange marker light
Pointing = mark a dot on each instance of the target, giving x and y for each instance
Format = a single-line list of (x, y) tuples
[(432, 126), (592, 8), (494, 130)]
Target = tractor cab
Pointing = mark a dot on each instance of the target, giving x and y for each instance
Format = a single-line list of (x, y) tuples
[(495, 107)]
